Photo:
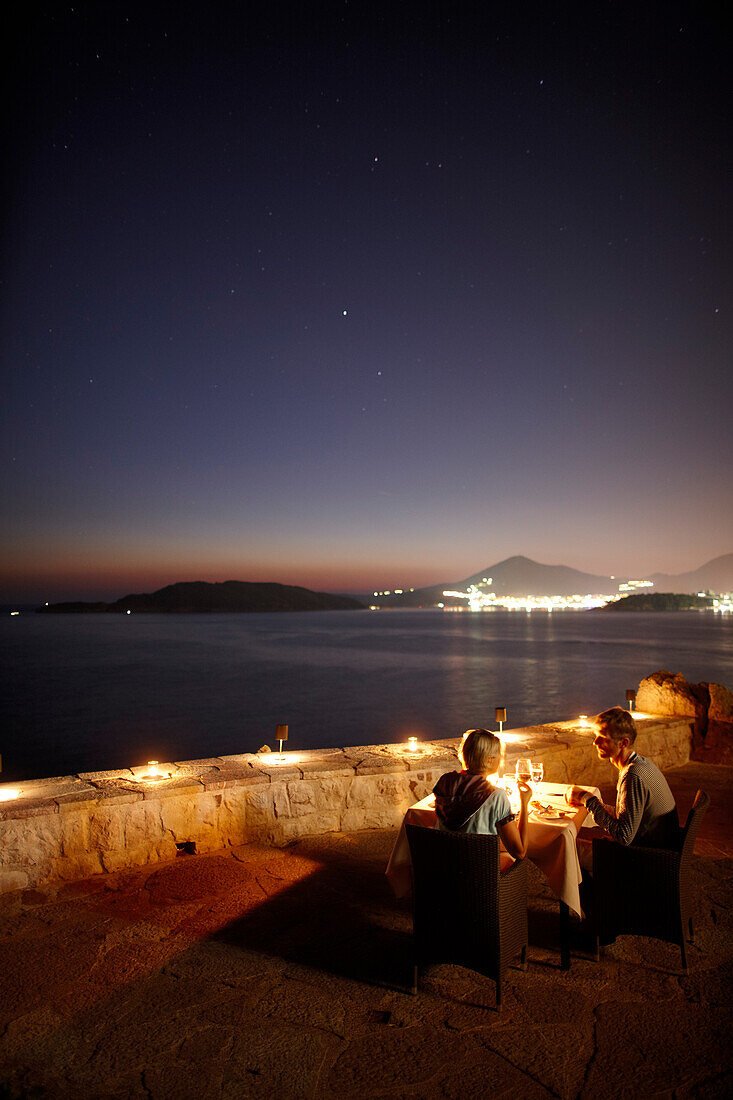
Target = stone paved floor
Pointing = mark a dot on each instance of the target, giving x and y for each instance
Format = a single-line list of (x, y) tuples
[(282, 974)]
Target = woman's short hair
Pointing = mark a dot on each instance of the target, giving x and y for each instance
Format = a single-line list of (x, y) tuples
[(480, 752), (616, 723)]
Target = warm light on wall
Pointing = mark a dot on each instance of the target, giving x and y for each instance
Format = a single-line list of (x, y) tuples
[(279, 758), (7, 794), (412, 744), (152, 774)]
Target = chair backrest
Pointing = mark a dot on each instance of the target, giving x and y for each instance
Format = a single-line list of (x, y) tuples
[(692, 825), (455, 888)]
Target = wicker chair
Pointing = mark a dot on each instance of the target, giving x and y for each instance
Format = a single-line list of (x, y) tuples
[(465, 910), (646, 891)]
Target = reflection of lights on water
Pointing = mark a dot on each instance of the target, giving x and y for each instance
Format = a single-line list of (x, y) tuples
[(7, 794)]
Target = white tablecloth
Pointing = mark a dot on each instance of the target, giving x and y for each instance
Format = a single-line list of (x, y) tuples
[(551, 845)]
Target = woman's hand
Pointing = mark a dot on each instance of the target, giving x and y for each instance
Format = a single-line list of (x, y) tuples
[(525, 792)]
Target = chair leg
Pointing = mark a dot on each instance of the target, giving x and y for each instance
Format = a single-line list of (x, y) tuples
[(684, 953), (564, 936), (523, 958)]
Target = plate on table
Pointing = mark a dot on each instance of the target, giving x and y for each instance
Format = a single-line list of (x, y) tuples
[(551, 814)]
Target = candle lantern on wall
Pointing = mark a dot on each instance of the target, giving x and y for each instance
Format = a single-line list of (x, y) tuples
[(500, 717), (281, 735), (631, 698)]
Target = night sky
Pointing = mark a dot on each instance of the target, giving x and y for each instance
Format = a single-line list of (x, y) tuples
[(355, 296)]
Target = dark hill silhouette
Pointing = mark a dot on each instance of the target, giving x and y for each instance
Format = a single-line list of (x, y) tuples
[(201, 596), (520, 576), (715, 576), (515, 576), (660, 601)]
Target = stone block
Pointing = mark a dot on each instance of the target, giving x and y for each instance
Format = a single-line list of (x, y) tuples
[(78, 801), (374, 763), (314, 769), (233, 827), (13, 880), (317, 796), (277, 772), (220, 781), (192, 819), (78, 866), (75, 835), (380, 801), (245, 759), (309, 825), (30, 845), (18, 808), (170, 788), (47, 788), (720, 708), (259, 805), (281, 800), (118, 794), (97, 777), (106, 829)]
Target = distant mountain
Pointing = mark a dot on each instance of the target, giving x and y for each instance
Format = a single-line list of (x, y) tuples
[(520, 576), (200, 596), (516, 576), (715, 575)]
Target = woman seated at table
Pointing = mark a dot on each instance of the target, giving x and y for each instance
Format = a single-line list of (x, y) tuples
[(466, 802)]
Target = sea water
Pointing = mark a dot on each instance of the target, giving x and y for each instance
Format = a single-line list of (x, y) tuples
[(92, 692)]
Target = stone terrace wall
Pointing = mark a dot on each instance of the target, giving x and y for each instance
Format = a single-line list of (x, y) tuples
[(76, 826)]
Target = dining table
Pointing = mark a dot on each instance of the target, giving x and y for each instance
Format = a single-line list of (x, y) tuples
[(551, 845)]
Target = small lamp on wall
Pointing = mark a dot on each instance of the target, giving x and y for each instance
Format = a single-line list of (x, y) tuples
[(631, 698), (281, 735), (500, 717)]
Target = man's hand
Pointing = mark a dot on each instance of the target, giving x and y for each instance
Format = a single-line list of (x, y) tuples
[(576, 796)]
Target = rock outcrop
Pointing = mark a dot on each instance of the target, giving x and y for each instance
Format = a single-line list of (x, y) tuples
[(719, 734), (710, 706)]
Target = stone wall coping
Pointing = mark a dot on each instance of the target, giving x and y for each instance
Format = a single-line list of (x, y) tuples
[(121, 786), (74, 826)]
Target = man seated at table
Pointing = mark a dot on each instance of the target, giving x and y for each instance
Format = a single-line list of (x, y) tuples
[(645, 812), (466, 802)]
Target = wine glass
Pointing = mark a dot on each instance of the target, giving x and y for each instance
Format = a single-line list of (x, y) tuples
[(524, 769), (538, 772)]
